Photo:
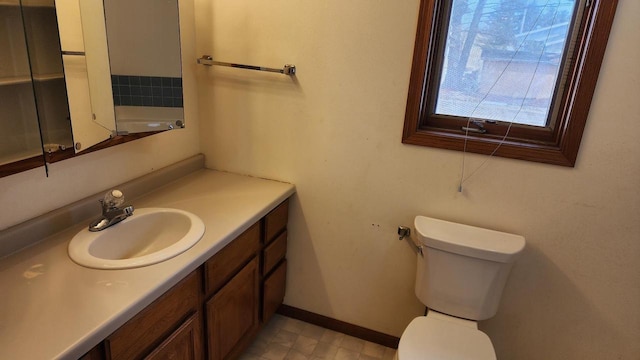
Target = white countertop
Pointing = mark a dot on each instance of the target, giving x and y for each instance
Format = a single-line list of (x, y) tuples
[(50, 307)]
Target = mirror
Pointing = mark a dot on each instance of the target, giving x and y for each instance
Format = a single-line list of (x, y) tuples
[(146, 69), (20, 138), (33, 102), (91, 124), (131, 78), (120, 64)]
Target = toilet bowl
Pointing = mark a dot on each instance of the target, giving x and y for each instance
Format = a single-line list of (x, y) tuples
[(438, 336), (460, 276)]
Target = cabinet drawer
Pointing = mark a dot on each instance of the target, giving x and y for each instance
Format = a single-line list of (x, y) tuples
[(156, 322), (184, 344), (223, 265), (274, 289), (276, 221), (97, 353), (274, 252)]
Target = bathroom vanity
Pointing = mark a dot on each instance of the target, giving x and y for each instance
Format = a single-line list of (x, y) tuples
[(208, 302)]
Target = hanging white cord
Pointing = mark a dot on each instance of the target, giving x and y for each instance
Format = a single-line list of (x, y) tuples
[(506, 134)]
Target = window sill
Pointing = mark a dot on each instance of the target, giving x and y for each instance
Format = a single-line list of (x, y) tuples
[(555, 154)]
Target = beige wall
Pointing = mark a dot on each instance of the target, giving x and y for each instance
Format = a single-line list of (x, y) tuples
[(153, 49), (29, 194), (335, 132)]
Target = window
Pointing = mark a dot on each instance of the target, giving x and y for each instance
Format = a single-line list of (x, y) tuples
[(512, 78)]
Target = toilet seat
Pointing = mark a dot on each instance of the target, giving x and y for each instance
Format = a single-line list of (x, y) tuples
[(442, 337)]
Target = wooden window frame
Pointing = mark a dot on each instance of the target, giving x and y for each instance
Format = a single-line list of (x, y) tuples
[(556, 145)]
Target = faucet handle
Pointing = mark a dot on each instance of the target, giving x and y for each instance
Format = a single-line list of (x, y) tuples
[(113, 199)]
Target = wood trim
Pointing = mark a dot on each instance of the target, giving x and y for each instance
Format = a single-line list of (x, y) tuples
[(117, 140), (550, 154), (225, 264), (184, 343), (340, 326), (97, 353), (562, 148), (21, 165), (52, 157), (276, 221), (274, 252), (146, 330), (421, 55), (274, 288), (229, 323)]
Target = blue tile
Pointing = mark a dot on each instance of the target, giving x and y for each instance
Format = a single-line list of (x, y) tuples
[(176, 92), (136, 91), (125, 100), (176, 82), (156, 92), (177, 102), (136, 100), (116, 100), (167, 92), (166, 82), (124, 80), (147, 101), (156, 81), (167, 102), (157, 101), (145, 80), (146, 91), (115, 89), (134, 80), (125, 90), (114, 79)]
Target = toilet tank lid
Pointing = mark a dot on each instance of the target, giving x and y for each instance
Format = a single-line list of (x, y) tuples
[(469, 240)]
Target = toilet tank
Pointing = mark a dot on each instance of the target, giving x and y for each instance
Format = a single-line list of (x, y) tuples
[(463, 269)]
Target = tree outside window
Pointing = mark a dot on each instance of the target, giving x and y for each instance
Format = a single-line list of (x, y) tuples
[(512, 78)]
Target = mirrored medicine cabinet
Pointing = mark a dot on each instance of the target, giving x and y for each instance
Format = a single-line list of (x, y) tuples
[(81, 75)]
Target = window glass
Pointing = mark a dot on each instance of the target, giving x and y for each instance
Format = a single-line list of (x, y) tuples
[(502, 59)]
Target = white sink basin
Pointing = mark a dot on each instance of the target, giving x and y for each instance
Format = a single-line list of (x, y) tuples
[(149, 236)]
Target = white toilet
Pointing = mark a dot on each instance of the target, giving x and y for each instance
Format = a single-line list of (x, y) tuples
[(461, 273)]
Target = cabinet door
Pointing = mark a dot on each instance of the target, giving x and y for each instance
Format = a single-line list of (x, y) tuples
[(141, 335), (228, 261), (274, 289), (232, 313), (184, 344)]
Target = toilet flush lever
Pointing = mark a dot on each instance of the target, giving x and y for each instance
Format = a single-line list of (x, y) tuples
[(405, 232)]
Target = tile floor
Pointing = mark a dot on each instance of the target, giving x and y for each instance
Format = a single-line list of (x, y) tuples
[(286, 338)]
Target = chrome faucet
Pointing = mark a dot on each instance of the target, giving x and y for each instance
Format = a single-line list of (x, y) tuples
[(113, 211)]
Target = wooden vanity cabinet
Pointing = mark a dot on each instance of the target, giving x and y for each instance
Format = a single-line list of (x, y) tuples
[(273, 291), (182, 344), (232, 295), (276, 221), (223, 266), (223, 303), (172, 323), (235, 313), (232, 314), (274, 265)]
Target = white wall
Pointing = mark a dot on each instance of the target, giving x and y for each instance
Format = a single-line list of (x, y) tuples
[(335, 132), (29, 194)]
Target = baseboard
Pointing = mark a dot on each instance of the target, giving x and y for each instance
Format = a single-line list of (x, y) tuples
[(339, 326)]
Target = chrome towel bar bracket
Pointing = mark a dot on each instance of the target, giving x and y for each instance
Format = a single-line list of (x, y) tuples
[(207, 60)]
